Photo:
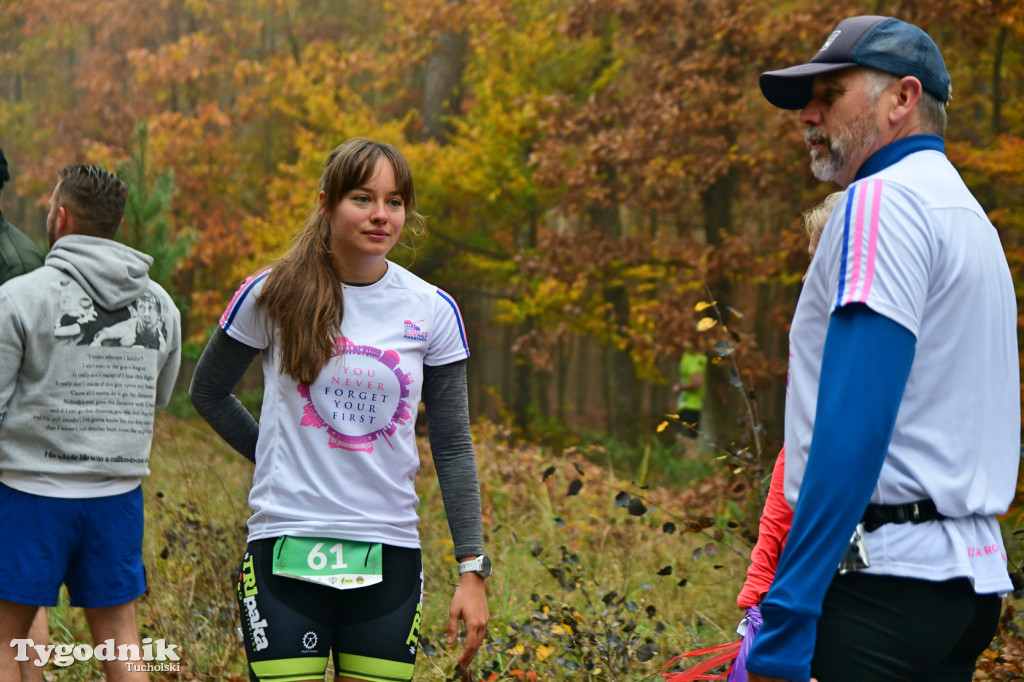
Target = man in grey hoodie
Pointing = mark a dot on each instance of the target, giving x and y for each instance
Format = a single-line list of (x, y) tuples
[(89, 348)]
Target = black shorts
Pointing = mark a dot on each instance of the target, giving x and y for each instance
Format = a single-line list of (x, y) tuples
[(876, 628), (290, 626)]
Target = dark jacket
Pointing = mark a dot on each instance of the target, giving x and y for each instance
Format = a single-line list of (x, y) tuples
[(18, 253)]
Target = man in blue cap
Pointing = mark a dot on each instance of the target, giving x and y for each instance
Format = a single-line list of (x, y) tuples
[(903, 405)]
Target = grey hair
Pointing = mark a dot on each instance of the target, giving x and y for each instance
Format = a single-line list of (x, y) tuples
[(933, 112)]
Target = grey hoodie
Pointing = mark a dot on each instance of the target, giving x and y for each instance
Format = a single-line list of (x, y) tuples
[(89, 349)]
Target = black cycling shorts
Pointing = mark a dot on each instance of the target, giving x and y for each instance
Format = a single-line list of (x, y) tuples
[(289, 626)]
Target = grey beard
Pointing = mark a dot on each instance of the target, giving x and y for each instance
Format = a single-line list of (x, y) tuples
[(826, 166), (846, 141)]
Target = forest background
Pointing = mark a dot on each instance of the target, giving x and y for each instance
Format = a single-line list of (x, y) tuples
[(605, 185), (591, 170)]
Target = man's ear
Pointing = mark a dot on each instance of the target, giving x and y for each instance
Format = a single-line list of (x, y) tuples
[(908, 93), (63, 222)]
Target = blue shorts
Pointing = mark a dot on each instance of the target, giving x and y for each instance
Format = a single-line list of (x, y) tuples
[(92, 545)]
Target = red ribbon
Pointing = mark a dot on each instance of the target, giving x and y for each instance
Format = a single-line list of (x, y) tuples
[(723, 653)]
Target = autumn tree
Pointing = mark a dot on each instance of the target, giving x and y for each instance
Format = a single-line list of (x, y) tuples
[(675, 150), (591, 171), (485, 209)]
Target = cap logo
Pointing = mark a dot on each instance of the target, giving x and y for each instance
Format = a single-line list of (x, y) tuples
[(835, 34)]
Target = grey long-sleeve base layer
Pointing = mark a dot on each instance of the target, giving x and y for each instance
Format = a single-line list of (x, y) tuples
[(225, 360)]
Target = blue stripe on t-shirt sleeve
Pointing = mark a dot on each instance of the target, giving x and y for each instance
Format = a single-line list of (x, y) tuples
[(236, 302), (458, 317), (846, 247)]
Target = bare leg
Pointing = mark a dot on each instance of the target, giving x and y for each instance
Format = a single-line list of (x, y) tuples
[(39, 633), (15, 620), (116, 623)]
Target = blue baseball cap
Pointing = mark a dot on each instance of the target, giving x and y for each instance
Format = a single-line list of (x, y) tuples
[(881, 43)]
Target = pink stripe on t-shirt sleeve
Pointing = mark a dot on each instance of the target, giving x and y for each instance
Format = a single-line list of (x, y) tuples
[(876, 210), (229, 312), (864, 268), (858, 238)]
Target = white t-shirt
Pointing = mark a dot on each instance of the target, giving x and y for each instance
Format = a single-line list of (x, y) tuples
[(913, 244), (338, 458)]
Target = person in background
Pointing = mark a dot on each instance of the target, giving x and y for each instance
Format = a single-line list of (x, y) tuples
[(689, 391), (776, 516), (350, 342), (76, 423), (903, 407), (18, 255), (815, 218)]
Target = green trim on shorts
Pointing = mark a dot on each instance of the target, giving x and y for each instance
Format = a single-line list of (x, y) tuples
[(374, 669), (290, 669)]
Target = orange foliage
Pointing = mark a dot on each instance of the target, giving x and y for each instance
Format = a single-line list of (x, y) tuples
[(608, 158)]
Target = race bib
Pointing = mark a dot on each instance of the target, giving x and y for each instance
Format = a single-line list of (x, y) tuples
[(341, 564)]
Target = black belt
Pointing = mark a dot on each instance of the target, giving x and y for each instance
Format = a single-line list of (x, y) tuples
[(877, 515)]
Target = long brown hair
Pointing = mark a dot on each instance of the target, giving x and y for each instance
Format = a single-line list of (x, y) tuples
[(302, 295)]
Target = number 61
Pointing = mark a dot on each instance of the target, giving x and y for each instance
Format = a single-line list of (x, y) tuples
[(317, 560)]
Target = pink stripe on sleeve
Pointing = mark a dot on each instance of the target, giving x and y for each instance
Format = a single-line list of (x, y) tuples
[(858, 237), (240, 293), (857, 267), (872, 240)]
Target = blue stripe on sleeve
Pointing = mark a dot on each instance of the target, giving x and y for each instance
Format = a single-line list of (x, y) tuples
[(846, 246), (458, 318), (240, 296)]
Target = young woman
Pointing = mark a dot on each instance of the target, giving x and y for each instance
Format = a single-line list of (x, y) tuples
[(351, 343)]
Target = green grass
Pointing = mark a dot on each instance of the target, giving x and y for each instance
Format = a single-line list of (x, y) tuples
[(595, 578)]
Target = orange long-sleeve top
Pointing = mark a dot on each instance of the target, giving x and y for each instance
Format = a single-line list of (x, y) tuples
[(771, 538)]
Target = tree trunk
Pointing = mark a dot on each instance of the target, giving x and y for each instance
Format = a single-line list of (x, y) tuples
[(723, 414), (997, 83), (524, 383), (522, 389), (623, 389), (442, 89), (773, 341)]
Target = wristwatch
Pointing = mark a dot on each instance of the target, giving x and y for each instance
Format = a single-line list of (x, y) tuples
[(480, 565)]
